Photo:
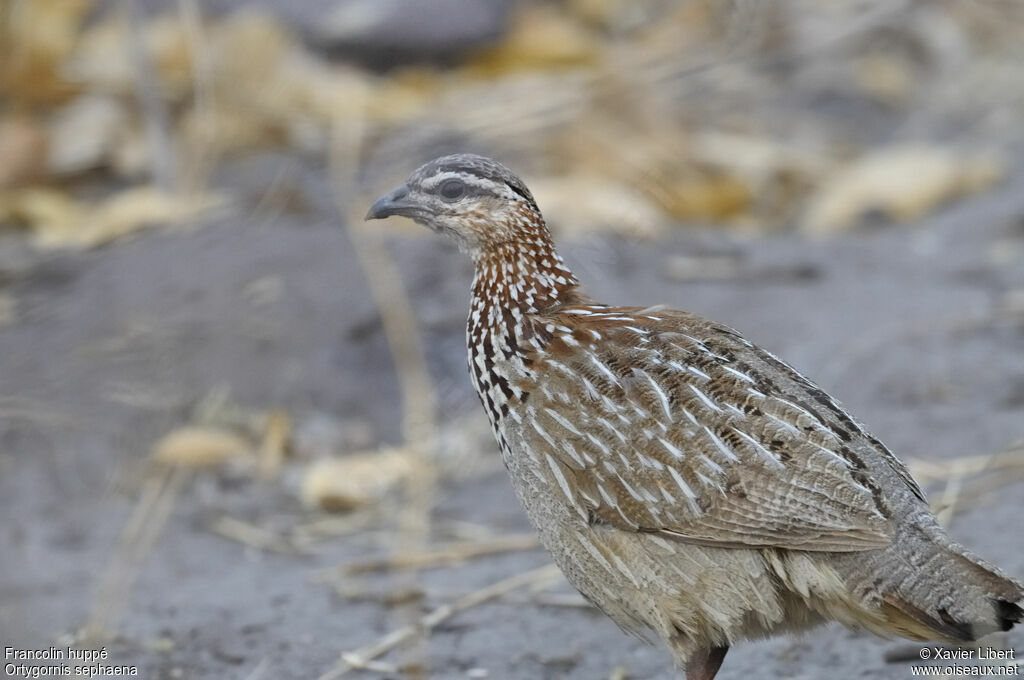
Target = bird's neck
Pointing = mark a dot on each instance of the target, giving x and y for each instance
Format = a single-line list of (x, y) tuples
[(521, 278)]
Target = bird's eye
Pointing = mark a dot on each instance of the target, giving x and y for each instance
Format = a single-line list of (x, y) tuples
[(453, 189)]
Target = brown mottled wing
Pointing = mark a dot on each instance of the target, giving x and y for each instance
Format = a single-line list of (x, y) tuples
[(658, 421)]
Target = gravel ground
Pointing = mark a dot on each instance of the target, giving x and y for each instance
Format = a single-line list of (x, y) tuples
[(905, 325)]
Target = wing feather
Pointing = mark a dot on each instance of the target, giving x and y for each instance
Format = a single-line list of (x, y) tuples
[(675, 430)]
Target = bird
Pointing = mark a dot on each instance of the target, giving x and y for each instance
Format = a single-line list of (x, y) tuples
[(690, 484)]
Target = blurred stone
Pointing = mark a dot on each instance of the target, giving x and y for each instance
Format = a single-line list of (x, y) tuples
[(380, 33), (84, 134), (386, 32)]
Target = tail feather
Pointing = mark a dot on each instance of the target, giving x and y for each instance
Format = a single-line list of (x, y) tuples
[(1005, 595), (912, 622), (1008, 613), (930, 588), (1001, 594)]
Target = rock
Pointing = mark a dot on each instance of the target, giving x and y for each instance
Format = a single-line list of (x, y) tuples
[(385, 32)]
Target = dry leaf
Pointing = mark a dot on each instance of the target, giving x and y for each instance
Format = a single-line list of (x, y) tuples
[(899, 183), (580, 204), (38, 36), (269, 90), (342, 484), (608, 14), (224, 128), (403, 96), (756, 158), (650, 153), (714, 195), (200, 447), (59, 222), (34, 206), (103, 63), (540, 37)]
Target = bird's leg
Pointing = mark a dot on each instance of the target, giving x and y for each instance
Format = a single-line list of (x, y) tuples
[(704, 664)]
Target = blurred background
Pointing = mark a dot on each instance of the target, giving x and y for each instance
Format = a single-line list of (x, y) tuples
[(237, 437)]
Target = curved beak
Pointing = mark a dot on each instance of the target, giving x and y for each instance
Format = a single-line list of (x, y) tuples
[(394, 203)]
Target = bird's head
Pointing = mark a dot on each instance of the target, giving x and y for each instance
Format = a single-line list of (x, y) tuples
[(475, 200)]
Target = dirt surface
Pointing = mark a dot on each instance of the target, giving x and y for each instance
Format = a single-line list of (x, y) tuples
[(910, 327)]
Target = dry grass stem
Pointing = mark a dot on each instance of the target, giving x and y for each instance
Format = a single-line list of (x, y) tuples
[(450, 554), (563, 600), (202, 159), (1009, 461), (18, 409), (360, 659), (326, 528), (254, 536), (399, 322), (154, 111), (159, 494), (960, 491)]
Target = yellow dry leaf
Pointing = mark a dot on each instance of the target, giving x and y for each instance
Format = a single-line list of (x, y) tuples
[(651, 153), (200, 447), (583, 203), (604, 13), (267, 89), (403, 96), (249, 45), (35, 38), (63, 223), (900, 183), (540, 37), (709, 195), (223, 128), (170, 47), (33, 206), (342, 484), (102, 61)]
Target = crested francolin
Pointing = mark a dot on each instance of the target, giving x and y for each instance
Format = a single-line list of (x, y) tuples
[(686, 481)]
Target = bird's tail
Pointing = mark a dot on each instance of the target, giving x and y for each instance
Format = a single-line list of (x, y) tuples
[(944, 592)]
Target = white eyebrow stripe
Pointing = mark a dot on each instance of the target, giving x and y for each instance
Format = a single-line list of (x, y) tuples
[(434, 181)]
